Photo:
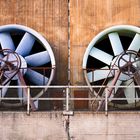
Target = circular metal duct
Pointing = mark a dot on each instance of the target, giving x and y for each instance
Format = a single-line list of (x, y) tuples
[(36, 58), (115, 48)]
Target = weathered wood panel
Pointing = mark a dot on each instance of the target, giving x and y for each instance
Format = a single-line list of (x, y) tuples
[(88, 18), (49, 18)]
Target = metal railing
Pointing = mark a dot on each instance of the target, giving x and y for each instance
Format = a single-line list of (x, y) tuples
[(67, 97)]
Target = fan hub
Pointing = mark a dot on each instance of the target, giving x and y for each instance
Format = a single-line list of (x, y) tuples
[(126, 64)]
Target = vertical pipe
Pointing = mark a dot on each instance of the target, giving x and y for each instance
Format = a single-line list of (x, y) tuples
[(68, 42), (28, 100), (67, 89), (67, 99), (106, 103)]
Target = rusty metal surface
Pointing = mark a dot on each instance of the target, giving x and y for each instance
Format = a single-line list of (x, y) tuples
[(80, 105), (88, 18), (49, 18)]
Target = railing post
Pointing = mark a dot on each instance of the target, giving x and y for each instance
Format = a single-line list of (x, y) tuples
[(106, 103), (67, 99), (67, 111), (28, 100)]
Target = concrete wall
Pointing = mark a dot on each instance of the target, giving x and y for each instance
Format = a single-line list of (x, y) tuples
[(82, 126), (37, 126)]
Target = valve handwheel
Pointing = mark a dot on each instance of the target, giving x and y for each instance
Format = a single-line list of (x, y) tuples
[(10, 64), (127, 63)]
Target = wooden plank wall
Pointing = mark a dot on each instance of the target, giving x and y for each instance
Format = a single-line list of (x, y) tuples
[(49, 18)]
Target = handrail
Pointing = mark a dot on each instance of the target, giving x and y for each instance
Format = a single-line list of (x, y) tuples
[(67, 98)]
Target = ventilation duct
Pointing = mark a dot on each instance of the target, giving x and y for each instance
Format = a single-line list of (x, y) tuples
[(112, 59), (26, 59)]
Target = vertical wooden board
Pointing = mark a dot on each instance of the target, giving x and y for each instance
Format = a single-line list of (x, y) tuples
[(49, 18), (89, 17)]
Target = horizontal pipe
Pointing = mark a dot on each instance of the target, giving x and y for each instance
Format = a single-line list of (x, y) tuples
[(69, 98), (63, 86)]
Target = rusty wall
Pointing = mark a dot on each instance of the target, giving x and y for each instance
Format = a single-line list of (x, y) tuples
[(88, 18), (49, 18)]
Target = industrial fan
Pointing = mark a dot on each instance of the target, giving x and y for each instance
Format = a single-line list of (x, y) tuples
[(112, 59), (26, 58)]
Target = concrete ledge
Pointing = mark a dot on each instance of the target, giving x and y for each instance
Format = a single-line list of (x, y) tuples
[(82, 126)]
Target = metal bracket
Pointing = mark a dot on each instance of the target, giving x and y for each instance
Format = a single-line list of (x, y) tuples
[(68, 113)]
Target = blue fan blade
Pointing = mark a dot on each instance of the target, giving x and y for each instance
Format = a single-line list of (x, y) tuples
[(135, 44), (101, 55), (4, 90), (36, 103), (1, 58), (36, 77), (26, 44), (116, 43), (6, 41), (38, 59)]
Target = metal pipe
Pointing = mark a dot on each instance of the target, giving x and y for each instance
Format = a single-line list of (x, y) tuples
[(63, 86), (106, 104), (108, 91), (28, 101), (69, 43), (80, 99), (67, 99)]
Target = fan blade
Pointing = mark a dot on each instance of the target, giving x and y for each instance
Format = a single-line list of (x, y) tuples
[(116, 43), (100, 55), (38, 59), (1, 58), (100, 74), (6, 41), (4, 90), (25, 44), (117, 84), (20, 92), (36, 103), (137, 63), (36, 77), (135, 44), (130, 92)]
